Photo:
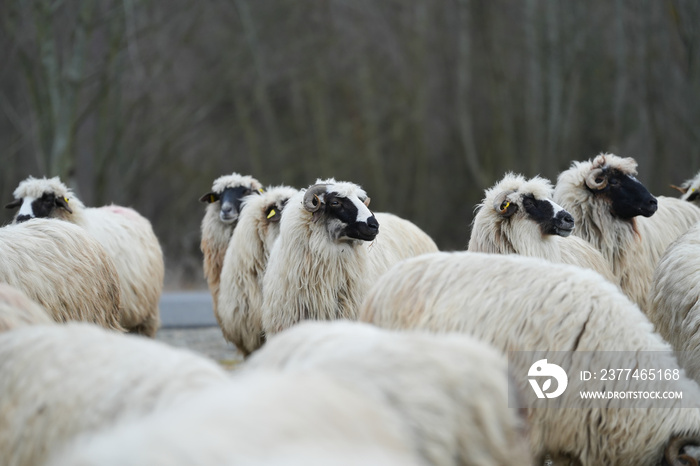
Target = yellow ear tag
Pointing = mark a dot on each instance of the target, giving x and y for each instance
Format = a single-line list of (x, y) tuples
[(260, 190), (271, 214), (65, 199), (505, 205), (211, 199)]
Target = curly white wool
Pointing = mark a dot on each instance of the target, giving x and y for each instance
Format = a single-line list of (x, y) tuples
[(64, 269), (127, 237)]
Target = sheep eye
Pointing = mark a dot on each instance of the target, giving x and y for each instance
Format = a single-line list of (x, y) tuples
[(335, 203), (613, 181)]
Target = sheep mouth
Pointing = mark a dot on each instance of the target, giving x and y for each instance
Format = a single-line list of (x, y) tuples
[(228, 218), (563, 231)]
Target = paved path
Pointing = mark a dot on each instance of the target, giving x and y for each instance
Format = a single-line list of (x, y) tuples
[(187, 309), (188, 321)]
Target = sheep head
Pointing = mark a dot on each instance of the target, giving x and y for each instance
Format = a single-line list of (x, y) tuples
[(42, 198), (343, 207), (531, 199), (229, 191), (612, 179)]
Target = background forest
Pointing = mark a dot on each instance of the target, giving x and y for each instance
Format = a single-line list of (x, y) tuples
[(423, 102)]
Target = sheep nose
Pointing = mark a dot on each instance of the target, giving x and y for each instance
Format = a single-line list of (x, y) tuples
[(372, 223), (22, 218), (568, 218)]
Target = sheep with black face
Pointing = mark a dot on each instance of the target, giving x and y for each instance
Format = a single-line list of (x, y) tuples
[(126, 236), (518, 216), (318, 267), (622, 219), (220, 219), (329, 251)]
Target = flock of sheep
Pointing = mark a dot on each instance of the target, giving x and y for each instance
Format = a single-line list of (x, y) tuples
[(364, 344)]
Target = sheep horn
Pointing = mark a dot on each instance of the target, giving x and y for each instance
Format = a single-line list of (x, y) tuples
[(502, 206), (595, 174), (673, 455), (680, 188), (311, 200)]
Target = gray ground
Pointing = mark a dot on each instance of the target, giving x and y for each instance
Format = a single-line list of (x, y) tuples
[(188, 321)]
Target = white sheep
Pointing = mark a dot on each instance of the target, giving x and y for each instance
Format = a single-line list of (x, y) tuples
[(328, 254), (690, 189), (240, 292), (125, 234), (618, 216), (17, 309), (259, 418), (533, 309), (64, 269), (220, 219), (59, 381), (517, 216), (452, 391), (675, 299)]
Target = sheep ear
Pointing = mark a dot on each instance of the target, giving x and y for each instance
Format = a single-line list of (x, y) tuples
[(507, 208), (14, 204), (63, 203), (274, 215), (366, 202), (209, 198), (503, 206)]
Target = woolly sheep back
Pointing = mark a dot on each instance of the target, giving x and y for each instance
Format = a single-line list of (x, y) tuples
[(457, 405), (240, 296), (17, 309), (258, 418), (59, 381), (63, 268), (675, 299), (526, 304)]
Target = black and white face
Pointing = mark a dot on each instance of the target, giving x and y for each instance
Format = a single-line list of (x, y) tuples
[(628, 197), (551, 217), (229, 201), (41, 207), (349, 218)]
